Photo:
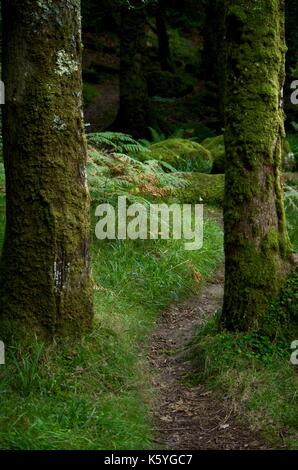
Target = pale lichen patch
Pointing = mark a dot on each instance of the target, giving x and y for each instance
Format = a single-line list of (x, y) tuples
[(65, 64), (58, 123), (44, 4)]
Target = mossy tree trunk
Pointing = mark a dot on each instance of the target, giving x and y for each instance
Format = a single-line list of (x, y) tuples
[(256, 241), (133, 111), (45, 284)]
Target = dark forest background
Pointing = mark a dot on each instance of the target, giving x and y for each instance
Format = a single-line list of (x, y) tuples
[(178, 54)]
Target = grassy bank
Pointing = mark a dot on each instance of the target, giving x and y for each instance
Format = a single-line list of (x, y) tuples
[(96, 393), (253, 370)]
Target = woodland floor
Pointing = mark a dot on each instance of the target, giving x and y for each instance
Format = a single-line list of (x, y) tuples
[(186, 416)]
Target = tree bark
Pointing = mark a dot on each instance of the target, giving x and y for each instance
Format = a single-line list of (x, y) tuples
[(133, 111), (164, 51), (256, 240), (45, 283)]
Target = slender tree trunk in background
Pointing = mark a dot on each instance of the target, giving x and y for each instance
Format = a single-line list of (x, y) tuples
[(164, 51), (292, 33), (291, 59), (213, 57), (256, 241), (45, 283), (133, 112)]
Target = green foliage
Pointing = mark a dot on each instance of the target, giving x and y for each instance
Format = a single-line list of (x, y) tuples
[(216, 147), (157, 137), (256, 376), (183, 154), (281, 320), (251, 346), (201, 187), (111, 175), (116, 142), (95, 393), (152, 274), (114, 174), (253, 371), (27, 368)]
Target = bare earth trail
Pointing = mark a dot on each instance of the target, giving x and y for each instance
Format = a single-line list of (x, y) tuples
[(190, 417)]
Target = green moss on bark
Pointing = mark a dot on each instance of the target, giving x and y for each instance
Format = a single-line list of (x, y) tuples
[(216, 147), (45, 280), (256, 240)]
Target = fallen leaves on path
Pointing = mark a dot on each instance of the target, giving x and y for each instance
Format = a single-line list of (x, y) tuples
[(192, 417)]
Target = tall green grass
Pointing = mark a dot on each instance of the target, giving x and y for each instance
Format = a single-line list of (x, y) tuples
[(96, 393)]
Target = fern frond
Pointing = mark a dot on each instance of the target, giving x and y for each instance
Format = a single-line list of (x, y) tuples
[(118, 141), (156, 136)]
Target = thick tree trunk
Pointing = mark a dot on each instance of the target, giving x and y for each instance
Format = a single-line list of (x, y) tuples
[(133, 112), (45, 283), (256, 241)]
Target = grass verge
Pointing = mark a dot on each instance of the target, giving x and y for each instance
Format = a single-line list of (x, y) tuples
[(253, 370), (96, 393)]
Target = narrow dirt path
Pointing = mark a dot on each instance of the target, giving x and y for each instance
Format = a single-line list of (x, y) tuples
[(191, 417)]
